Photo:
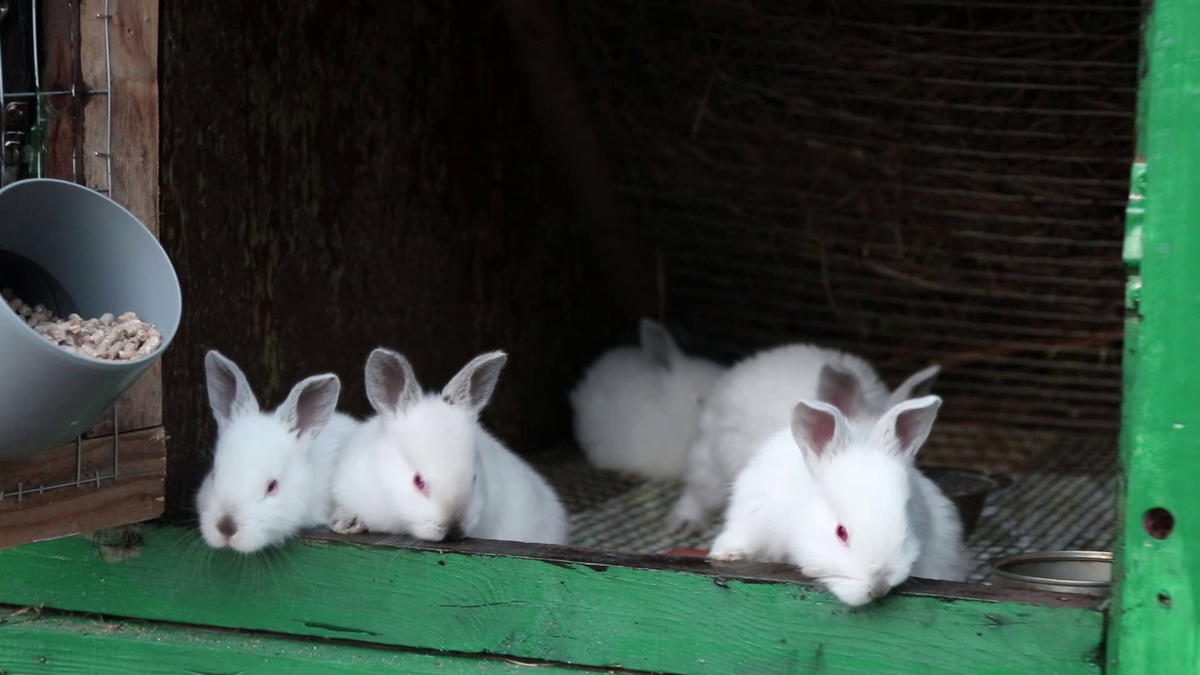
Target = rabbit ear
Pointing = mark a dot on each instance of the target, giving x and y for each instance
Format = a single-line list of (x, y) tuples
[(392, 387), (818, 428), (917, 385), (904, 429), (229, 393), (311, 404), (840, 389), (472, 387), (657, 344)]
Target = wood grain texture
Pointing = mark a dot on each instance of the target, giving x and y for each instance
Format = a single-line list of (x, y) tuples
[(35, 644), (132, 32), (342, 175), (62, 72), (558, 610), (135, 496)]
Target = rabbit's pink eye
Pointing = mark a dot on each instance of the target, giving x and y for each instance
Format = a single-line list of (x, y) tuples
[(419, 482), (843, 534), (272, 486)]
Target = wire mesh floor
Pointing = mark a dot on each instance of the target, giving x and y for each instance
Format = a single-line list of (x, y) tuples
[(1061, 496)]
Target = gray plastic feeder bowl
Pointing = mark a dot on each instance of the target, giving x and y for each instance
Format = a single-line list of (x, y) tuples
[(75, 251)]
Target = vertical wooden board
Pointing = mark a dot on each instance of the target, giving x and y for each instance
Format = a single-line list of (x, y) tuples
[(136, 495), (62, 72), (125, 41), (35, 644), (572, 606), (1157, 593)]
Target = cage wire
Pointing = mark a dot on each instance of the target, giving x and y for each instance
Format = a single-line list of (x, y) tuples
[(35, 149), (910, 180)]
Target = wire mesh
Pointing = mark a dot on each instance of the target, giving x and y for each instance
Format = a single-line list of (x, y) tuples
[(35, 153), (912, 180), (1060, 498)]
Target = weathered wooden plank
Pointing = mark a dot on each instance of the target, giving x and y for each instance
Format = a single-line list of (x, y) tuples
[(135, 496), (30, 643), (694, 619), (62, 73), (131, 28), (1156, 607)]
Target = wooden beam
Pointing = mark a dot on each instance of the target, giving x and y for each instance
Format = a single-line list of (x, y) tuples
[(136, 494), (131, 30), (71, 644), (652, 613)]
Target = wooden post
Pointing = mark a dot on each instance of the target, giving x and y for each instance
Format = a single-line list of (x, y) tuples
[(1156, 595), (132, 49), (63, 72)]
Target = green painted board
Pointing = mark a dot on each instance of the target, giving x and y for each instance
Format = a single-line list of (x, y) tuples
[(56, 645), (1155, 626), (654, 614)]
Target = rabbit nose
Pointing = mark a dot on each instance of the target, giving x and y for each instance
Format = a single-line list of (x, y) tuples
[(454, 532), (226, 526)]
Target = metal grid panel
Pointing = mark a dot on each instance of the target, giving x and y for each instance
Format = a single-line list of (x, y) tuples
[(35, 150), (1061, 497)]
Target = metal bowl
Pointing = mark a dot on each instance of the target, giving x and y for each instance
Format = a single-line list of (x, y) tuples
[(967, 489), (1085, 572)]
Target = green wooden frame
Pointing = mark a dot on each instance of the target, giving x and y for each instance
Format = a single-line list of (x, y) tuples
[(1155, 619), (334, 604), (644, 613)]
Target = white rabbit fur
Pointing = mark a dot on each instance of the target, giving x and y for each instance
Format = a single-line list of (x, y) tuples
[(636, 409), (292, 449), (826, 472), (754, 399), (423, 466)]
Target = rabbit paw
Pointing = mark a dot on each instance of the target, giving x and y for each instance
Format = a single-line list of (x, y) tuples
[(347, 525)]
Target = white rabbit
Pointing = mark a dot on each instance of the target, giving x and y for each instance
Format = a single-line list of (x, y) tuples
[(755, 398), (424, 466), (636, 410), (842, 501), (271, 471)]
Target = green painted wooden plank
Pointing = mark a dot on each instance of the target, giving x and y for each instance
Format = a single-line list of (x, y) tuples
[(647, 613), (1154, 627), (52, 645), (1155, 624)]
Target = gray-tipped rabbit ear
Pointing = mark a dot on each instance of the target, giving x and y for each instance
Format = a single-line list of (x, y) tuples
[(917, 385), (840, 389), (392, 388), (310, 405), (657, 343), (904, 429), (818, 428), (229, 393), (472, 387)]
